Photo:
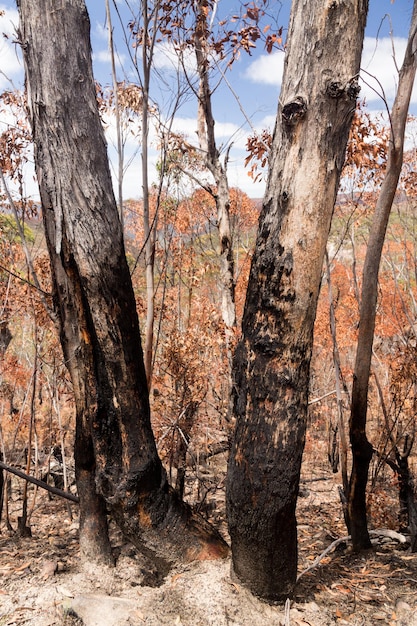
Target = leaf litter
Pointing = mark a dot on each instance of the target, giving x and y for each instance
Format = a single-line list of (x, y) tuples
[(43, 584)]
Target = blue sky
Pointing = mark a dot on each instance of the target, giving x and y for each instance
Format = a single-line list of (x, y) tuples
[(255, 79)]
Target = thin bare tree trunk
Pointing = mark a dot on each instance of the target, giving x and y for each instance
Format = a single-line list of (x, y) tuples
[(343, 448), (361, 448), (120, 149), (149, 225), (208, 145), (22, 527)]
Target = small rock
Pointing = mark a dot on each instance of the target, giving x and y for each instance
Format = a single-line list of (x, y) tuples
[(95, 610), (310, 606), (48, 569), (402, 607)]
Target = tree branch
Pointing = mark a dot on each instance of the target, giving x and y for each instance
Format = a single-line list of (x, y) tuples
[(39, 483)]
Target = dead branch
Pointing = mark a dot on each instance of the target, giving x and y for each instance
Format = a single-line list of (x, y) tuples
[(39, 483)]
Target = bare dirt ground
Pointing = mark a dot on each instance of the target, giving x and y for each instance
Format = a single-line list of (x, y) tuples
[(42, 583)]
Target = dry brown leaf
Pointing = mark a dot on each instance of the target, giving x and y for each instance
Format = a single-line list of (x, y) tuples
[(22, 567)]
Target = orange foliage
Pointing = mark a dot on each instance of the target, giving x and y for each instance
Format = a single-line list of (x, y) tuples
[(367, 148)]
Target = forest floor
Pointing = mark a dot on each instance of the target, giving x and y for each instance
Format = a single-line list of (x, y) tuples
[(42, 583)]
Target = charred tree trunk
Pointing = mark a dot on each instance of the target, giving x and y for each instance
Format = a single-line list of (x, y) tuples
[(115, 452), (407, 495), (361, 447), (272, 361)]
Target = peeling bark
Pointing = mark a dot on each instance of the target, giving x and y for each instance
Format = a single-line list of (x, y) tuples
[(272, 361)]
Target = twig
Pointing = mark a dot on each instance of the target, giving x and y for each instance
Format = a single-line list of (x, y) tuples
[(321, 556), (320, 398), (287, 612), (24, 280)]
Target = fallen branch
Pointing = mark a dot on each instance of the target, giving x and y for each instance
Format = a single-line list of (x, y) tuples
[(391, 534), (39, 483), (383, 532)]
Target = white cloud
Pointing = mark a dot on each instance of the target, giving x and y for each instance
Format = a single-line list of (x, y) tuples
[(186, 126), (266, 69), (377, 65), (379, 71), (268, 121), (103, 56), (238, 177), (166, 57), (10, 64), (226, 131), (101, 31), (132, 181)]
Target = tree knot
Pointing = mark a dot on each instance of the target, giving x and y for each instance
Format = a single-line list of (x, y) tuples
[(335, 89), (353, 89), (294, 111)]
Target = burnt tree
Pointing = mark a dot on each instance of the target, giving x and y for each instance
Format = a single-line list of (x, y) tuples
[(361, 448), (272, 360), (117, 464)]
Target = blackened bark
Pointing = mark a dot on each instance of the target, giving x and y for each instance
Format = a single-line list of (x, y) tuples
[(272, 361), (356, 517), (361, 448), (407, 497), (115, 451), (5, 336)]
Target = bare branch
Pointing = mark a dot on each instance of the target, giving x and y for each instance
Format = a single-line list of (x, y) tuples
[(39, 483)]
